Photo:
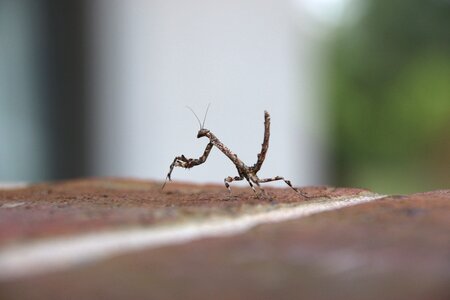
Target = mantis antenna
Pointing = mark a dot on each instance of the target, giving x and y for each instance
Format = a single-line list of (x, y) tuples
[(206, 113), (204, 118), (200, 124)]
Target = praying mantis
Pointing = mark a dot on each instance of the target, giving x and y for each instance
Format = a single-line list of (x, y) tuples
[(249, 173)]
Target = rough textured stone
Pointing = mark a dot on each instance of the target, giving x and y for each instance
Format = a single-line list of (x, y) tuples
[(394, 248), (85, 205)]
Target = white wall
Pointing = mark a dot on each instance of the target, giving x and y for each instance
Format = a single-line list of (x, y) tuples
[(152, 58)]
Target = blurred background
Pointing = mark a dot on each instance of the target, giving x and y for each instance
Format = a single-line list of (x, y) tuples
[(358, 91)]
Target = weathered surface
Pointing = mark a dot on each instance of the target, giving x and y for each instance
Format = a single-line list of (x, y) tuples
[(394, 248), (85, 205)]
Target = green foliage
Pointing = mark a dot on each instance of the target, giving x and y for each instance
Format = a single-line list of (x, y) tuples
[(389, 88)]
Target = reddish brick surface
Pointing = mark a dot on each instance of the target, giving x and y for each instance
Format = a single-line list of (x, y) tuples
[(61, 208), (394, 248)]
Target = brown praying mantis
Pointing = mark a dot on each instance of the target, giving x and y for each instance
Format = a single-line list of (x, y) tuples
[(245, 172)]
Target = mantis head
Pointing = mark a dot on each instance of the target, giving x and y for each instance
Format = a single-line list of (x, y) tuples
[(203, 131)]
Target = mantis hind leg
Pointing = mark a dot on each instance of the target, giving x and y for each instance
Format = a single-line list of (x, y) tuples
[(231, 179), (251, 185), (288, 182)]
